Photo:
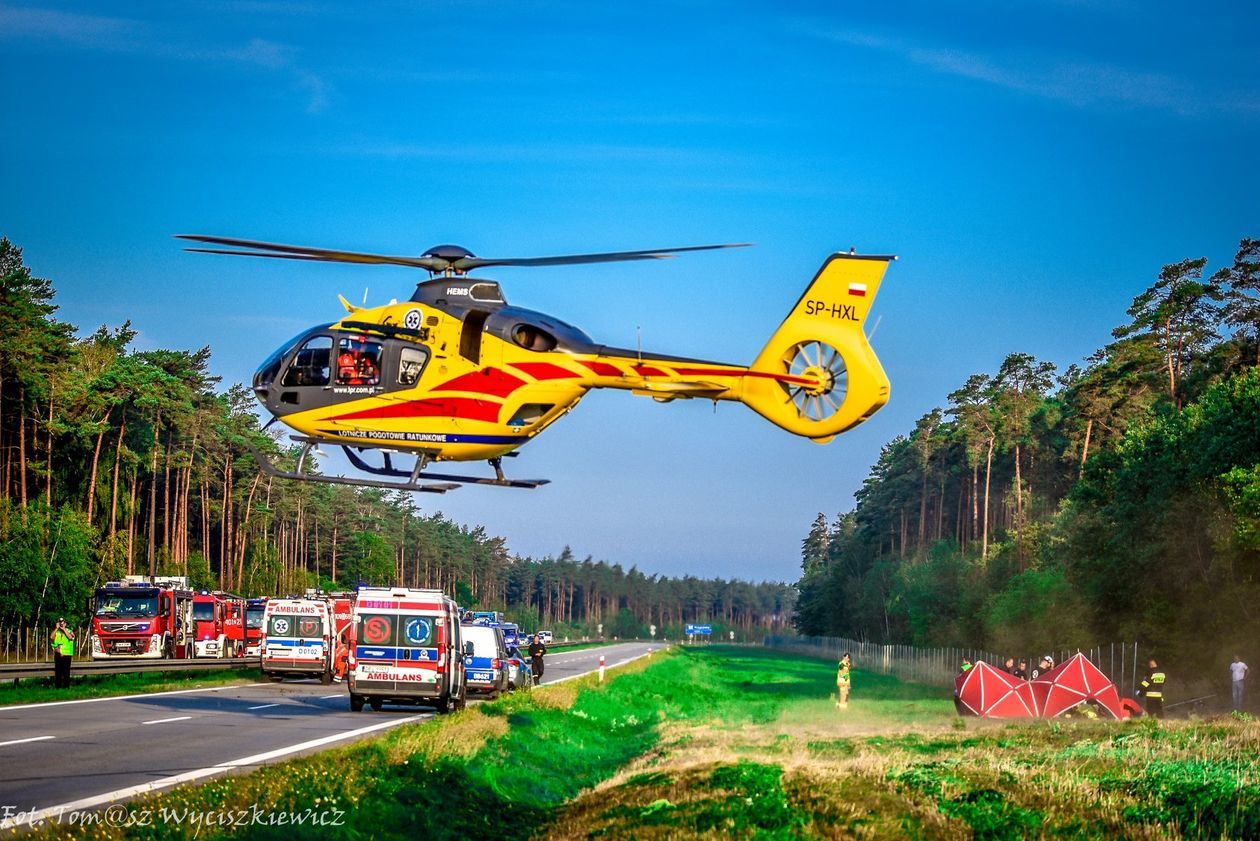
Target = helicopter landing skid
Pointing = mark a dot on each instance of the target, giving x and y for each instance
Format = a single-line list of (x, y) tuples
[(271, 470), (422, 461)]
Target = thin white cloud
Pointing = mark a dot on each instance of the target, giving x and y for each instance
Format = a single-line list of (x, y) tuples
[(122, 35), (1073, 81)]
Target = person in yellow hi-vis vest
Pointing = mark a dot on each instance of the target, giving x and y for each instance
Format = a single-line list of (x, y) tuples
[(63, 653), (1153, 690), (842, 682)]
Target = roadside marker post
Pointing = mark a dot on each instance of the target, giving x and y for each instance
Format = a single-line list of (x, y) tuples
[(601, 668)]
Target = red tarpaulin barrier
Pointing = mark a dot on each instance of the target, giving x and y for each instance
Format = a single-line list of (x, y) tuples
[(990, 692)]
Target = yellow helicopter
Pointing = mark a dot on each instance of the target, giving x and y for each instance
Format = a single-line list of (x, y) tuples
[(458, 374)]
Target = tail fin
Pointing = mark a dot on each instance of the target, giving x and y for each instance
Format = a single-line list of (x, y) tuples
[(821, 376)]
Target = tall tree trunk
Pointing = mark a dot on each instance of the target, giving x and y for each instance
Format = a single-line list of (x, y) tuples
[(131, 523), (152, 524), (22, 445), (1089, 428), (167, 540), (923, 509), (1019, 486), (988, 470), (96, 460), (940, 507), (113, 497), (243, 532), (975, 501), (49, 450), (225, 564)]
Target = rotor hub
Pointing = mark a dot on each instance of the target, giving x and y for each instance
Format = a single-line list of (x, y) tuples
[(824, 380)]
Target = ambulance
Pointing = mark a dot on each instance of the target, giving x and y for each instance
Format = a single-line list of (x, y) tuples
[(297, 638), (407, 649)]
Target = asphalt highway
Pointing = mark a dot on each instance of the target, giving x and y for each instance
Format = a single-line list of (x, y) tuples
[(81, 755)]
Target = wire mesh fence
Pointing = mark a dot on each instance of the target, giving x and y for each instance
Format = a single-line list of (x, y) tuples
[(1120, 661)]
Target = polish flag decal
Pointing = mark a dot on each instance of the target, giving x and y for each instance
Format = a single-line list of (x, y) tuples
[(858, 289)]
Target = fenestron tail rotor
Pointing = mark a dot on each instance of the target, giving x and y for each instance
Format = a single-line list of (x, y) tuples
[(823, 366), (444, 259)]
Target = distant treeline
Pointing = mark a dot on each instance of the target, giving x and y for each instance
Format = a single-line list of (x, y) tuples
[(117, 461), (1115, 500)]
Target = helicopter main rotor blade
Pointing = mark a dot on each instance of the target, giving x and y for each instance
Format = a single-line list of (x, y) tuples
[(467, 263), (299, 252)]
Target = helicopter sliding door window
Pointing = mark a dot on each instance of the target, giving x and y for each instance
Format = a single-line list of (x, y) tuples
[(311, 364), (411, 361), (358, 361), (470, 338)]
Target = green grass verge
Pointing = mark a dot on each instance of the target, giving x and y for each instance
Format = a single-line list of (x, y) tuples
[(745, 743), (40, 690)]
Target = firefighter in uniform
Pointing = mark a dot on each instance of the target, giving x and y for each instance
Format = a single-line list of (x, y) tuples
[(1153, 690)]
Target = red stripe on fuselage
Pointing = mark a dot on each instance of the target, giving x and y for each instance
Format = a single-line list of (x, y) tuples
[(604, 369), (649, 371), (727, 372), (454, 407), (488, 381), (545, 371)]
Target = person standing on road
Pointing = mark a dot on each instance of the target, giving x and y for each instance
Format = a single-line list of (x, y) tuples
[(1153, 690), (1238, 674), (843, 682), (63, 653), (536, 652)]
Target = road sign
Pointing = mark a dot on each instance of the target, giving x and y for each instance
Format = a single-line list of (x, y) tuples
[(699, 630), (652, 631)]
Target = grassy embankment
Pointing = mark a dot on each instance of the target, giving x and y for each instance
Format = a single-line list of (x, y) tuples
[(40, 690), (746, 743)]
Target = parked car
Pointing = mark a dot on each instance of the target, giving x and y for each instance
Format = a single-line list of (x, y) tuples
[(520, 673), (545, 636), (485, 660)]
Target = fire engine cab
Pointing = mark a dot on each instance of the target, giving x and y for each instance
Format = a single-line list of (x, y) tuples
[(254, 610), (407, 650), (218, 624), (136, 618)]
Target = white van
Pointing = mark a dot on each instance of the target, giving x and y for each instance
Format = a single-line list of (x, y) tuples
[(296, 639), (407, 646)]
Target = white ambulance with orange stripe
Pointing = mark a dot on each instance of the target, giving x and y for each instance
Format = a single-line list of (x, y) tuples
[(408, 649)]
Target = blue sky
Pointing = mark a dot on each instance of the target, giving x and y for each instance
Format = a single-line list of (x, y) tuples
[(1033, 166)]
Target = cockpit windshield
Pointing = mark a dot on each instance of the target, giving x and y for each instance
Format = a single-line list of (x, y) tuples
[(267, 372), (117, 606)]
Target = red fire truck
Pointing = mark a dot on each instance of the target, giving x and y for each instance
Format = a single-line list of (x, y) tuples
[(137, 617), (254, 611), (219, 624), (342, 605)]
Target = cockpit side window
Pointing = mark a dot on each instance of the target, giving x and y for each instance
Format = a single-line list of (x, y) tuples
[(312, 363), (532, 338), (411, 361), (358, 361)]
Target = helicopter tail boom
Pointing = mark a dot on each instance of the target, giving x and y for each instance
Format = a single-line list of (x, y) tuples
[(820, 374)]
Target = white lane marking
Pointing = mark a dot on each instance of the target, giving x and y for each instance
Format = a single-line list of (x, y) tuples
[(262, 706), (4, 708), (326, 697), (607, 666), (31, 818), (31, 739), (164, 720)]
